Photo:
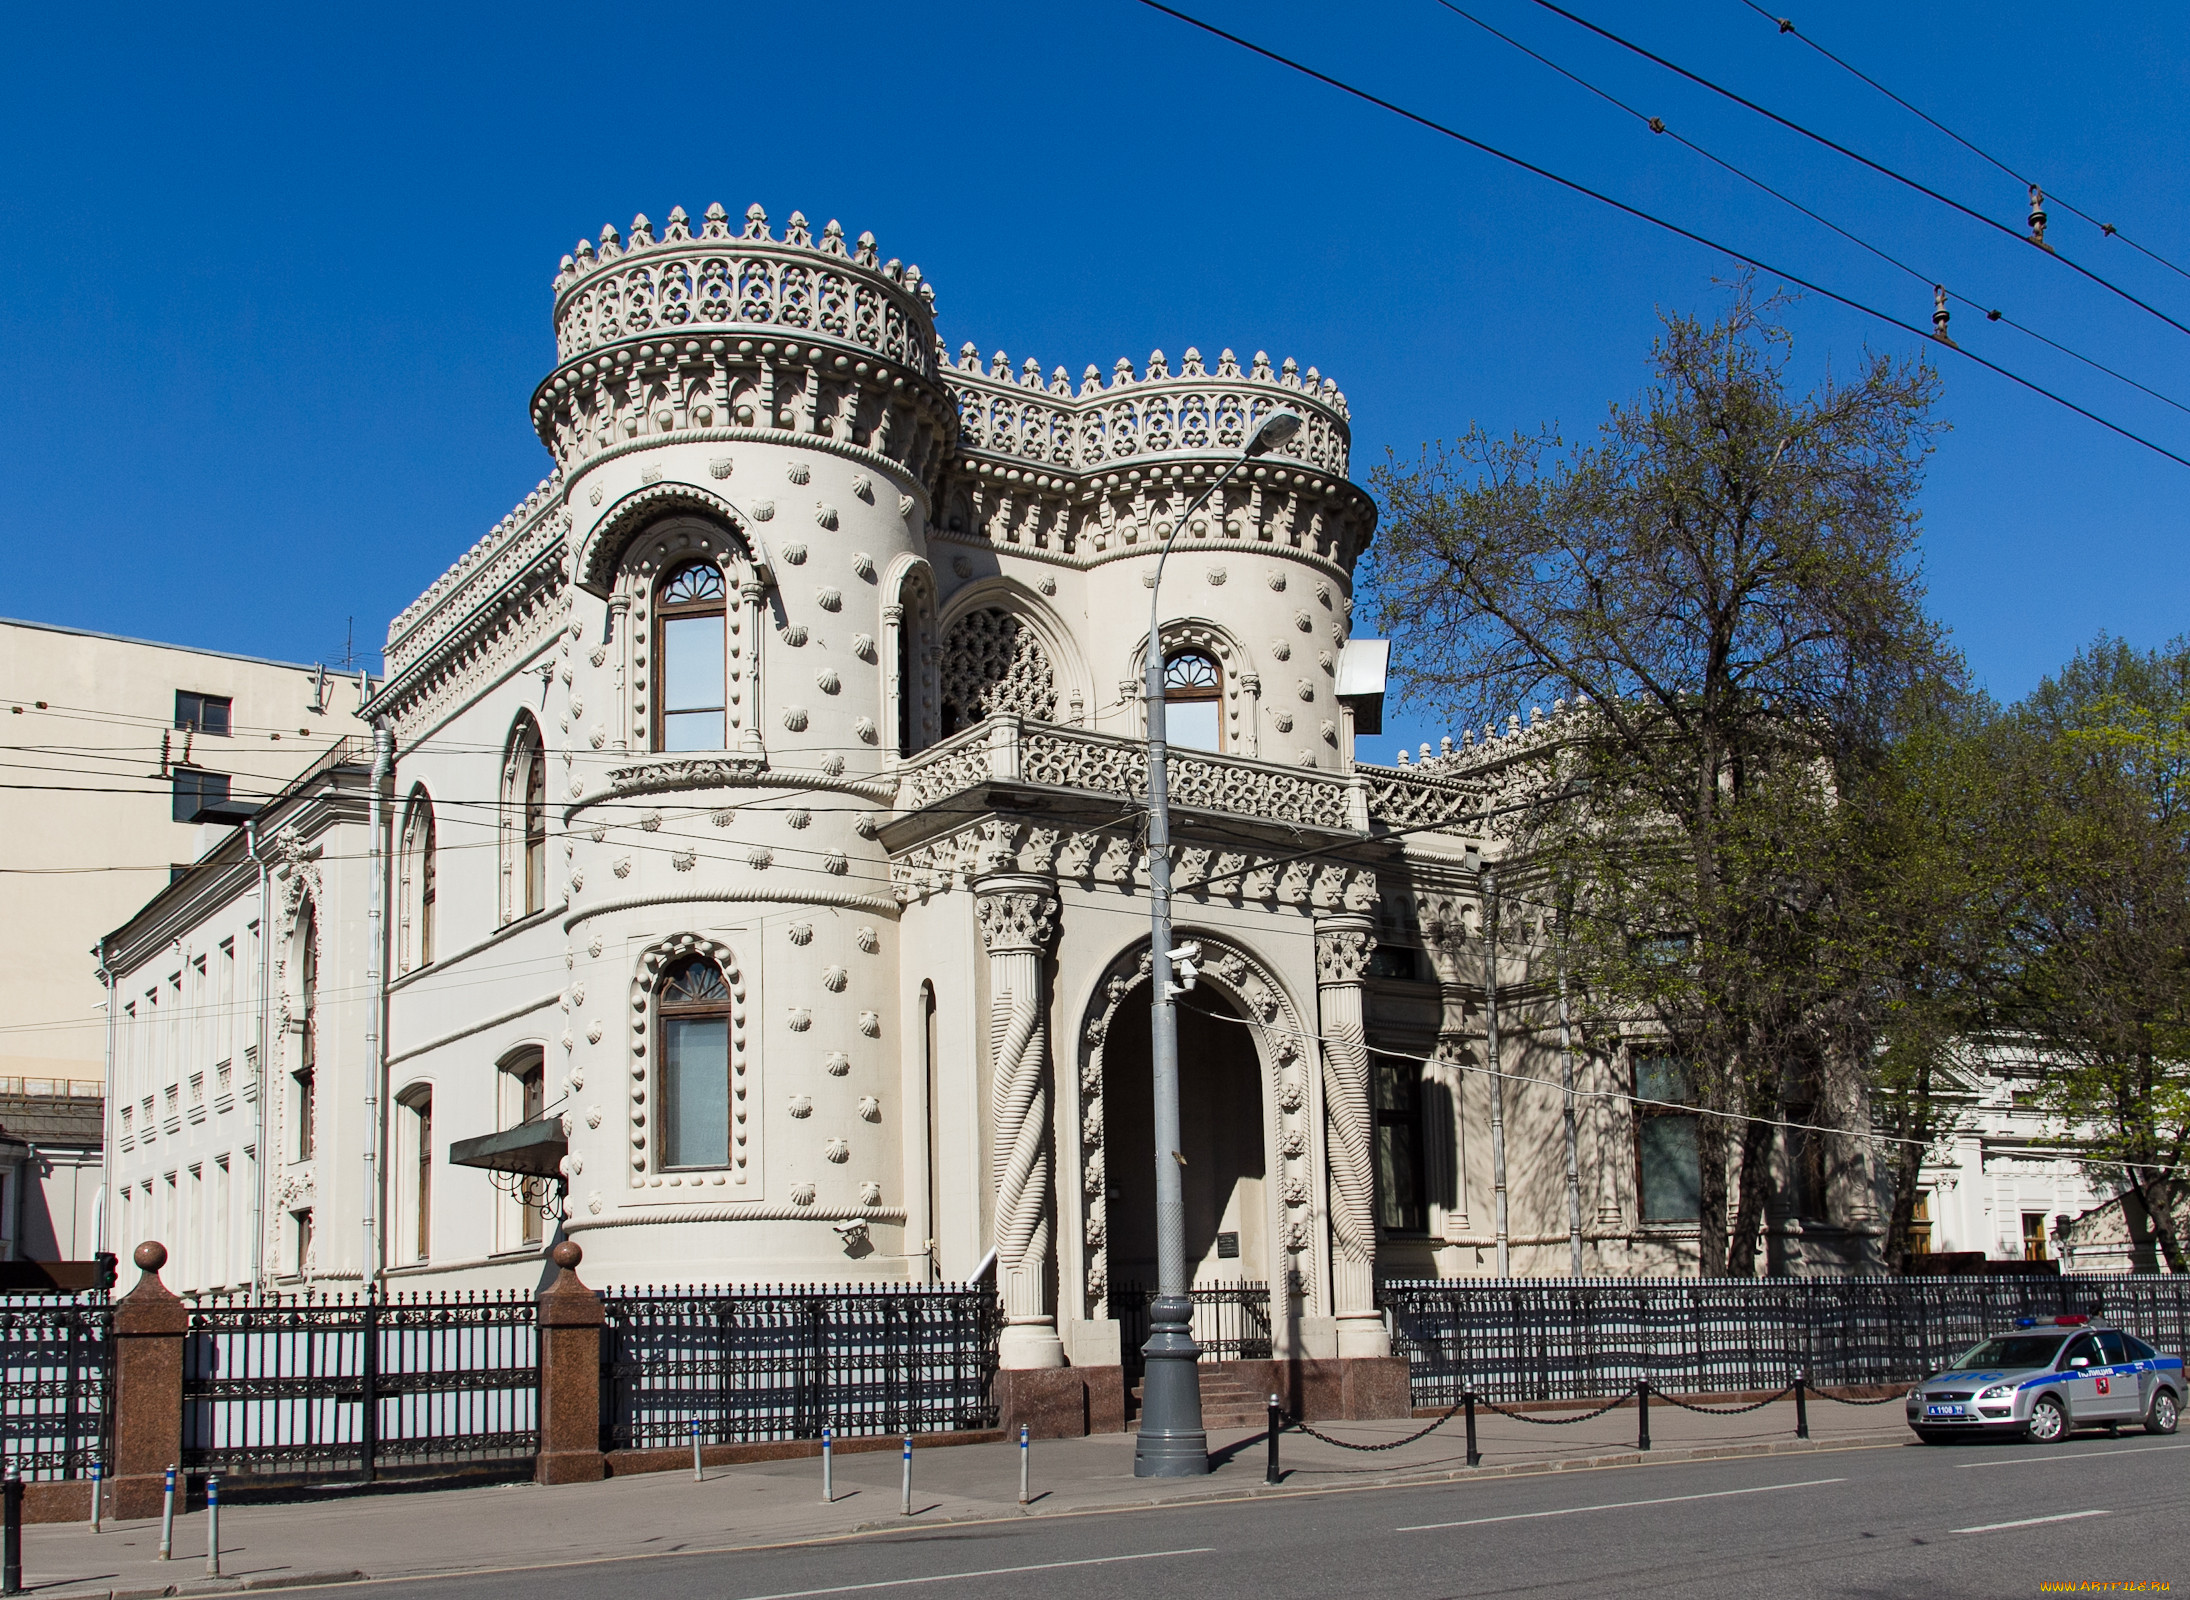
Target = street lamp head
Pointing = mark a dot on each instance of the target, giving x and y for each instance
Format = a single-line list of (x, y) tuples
[(1276, 429)]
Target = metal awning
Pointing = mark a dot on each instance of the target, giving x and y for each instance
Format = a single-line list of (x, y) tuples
[(531, 1149)]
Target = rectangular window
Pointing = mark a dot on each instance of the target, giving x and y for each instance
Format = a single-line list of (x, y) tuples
[(224, 1001), (1399, 1198), (422, 1174), (196, 789), (1920, 1225), (696, 1073), (2034, 1236), (301, 1239), (1672, 1171), (202, 713), (692, 679)]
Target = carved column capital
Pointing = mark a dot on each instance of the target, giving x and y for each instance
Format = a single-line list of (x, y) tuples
[(1016, 913), (1343, 944)]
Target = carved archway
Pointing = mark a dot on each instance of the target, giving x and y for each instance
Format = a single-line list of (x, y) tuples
[(1242, 683), (646, 1073), (1283, 1043)]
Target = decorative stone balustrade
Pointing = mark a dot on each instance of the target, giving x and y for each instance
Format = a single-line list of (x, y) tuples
[(730, 335), (1005, 750)]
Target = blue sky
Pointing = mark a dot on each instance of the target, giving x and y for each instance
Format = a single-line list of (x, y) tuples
[(276, 285)]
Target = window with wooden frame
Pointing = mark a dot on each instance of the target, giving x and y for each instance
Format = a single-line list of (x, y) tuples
[(306, 1074), (524, 1077), (691, 649), (693, 1007), (1193, 701), (1400, 1201), (536, 833)]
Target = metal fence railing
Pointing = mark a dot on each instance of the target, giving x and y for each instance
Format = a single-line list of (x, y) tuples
[(780, 1363), (360, 1387), (56, 1382), (1577, 1339), (1231, 1323)]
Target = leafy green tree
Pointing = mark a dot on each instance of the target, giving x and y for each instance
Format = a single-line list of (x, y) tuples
[(2099, 820), (1726, 578)]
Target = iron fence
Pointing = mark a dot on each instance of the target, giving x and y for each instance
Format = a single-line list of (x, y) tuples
[(1231, 1322), (1581, 1339), (359, 1387), (56, 1382), (779, 1363)]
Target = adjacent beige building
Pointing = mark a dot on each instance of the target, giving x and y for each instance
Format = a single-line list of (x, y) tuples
[(111, 741)]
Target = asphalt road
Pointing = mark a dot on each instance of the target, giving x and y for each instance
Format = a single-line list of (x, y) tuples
[(1976, 1520)]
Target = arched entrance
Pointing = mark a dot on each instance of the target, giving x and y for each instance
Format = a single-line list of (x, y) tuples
[(1221, 1127)]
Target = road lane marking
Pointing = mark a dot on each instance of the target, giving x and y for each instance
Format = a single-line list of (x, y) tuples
[(1620, 1505), (2075, 1455), (986, 1572), (2031, 1522)]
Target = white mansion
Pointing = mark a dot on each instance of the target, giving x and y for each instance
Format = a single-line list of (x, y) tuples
[(758, 818)]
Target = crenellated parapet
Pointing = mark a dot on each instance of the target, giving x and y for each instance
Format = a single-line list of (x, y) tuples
[(1103, 469), (705, 334)]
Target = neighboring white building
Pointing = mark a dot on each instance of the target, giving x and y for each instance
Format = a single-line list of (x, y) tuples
[(763, 839), (50, 1139), (2006, 1179)]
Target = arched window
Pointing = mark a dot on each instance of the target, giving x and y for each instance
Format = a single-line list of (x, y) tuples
[(994, 663), (414, 933), (694, 1008), (524, 823), (690, 645), (1193, 701), (524, 1099)]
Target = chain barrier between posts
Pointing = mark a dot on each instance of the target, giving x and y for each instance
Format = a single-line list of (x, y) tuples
[(1558, 1422), (1843, 1400), (1389, 1444), (1726, 1411)]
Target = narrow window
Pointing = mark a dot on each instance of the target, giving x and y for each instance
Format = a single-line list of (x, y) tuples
[(307, 1068), (1399, 1187), (535, 830), (301, 1224), (203, 713), (428, 871), (416, 1177), (1672, 1171), (695, 1028), (415, 931), (527, 1077), (1920, 1225), (1193, 701), (2034, 1236), (690, 619)]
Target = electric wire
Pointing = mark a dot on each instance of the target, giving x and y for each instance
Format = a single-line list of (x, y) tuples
[(1786, 25), (1658, 125), (1762, 265), (1857, 156)]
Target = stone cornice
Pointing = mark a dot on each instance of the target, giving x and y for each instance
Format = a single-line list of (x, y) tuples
[(803, 895)]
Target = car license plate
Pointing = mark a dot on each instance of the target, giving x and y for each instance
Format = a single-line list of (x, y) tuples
[(1946, 1411)]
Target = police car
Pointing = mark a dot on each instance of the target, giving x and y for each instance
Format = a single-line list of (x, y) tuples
[(2045, 1379)]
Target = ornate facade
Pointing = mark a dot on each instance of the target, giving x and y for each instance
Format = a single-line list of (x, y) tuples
[(767, 808)]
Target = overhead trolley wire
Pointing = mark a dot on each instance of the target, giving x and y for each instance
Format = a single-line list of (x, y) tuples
[(1786, 25), (1654, 220), (1658, 125), (1857, 156)]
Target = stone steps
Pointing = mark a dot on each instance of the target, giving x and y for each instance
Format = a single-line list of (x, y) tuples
[(1225, 1403)]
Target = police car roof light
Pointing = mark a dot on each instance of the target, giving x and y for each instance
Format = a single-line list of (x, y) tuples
[(2076, 1321), (2026, 1322)]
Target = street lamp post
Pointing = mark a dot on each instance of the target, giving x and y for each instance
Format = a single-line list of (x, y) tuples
[(1172, 1443)]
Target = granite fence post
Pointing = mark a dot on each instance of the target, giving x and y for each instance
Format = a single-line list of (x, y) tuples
[(149, 1327), (570, 1319)]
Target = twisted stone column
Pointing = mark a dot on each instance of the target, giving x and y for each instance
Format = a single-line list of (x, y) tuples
[(1018, 920), (1343, 944)]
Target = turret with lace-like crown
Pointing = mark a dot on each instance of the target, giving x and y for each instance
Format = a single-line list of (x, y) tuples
[(709, 332)]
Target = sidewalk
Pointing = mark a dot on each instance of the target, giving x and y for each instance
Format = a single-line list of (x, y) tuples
[(521, 1525)]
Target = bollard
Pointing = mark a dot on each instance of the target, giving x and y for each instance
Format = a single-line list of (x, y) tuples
[(11, 1534), (905, 1499), (167, 1518), (1024, 1496), (828, 1465), (1642, 1413), (1802, 1410), (212, 1527), (98, 1482), (697, 1475), (1270, 1473), (1475, 1456)]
